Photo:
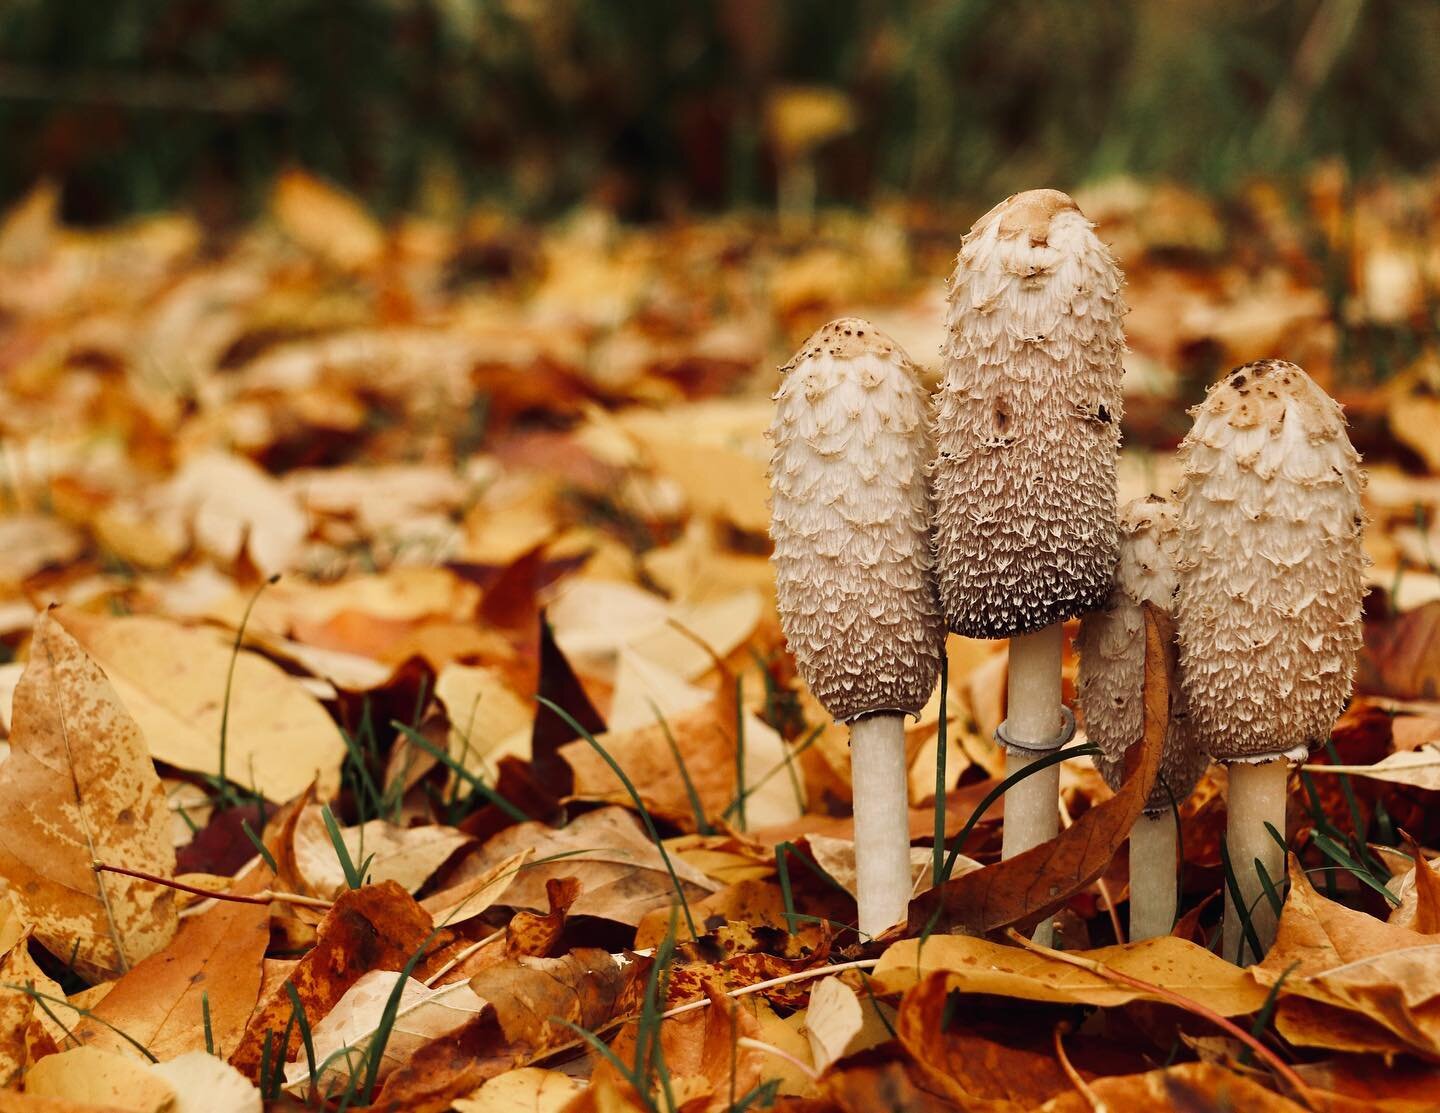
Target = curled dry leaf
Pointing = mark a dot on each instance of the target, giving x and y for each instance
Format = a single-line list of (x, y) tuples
[(838, 1023), (587, 987), (527, 1090), (1418, 768), (79, 787), (23, 1036), (1186, 1086), (211, 968), (172, 678)]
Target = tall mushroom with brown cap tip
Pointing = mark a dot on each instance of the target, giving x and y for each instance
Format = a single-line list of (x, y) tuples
[(850, 521), (1271, 581), (1027, 429), (1110, 696)]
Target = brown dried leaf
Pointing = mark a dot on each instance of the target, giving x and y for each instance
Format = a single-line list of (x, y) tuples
[(1201, 1087), (587, 986), (213, 962), (621, 874), (23, 1037), (1402, 654), (79, 787), (534, 935), (378, 927)]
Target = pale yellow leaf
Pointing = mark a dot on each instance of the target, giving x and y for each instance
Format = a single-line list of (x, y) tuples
[(527, 1090), (172, 679), (205, 1084), (89, 1076), (78, 788)]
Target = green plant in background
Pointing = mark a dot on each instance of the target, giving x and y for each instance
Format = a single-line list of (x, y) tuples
[(428, 103)]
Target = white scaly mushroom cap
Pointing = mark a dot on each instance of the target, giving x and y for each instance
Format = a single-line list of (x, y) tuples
[(1111, 644), (850, 521), (1027, 421), (1271, 564)]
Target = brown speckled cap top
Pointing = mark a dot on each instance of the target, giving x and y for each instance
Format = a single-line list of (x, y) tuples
[(850, 522), (1027, 421)]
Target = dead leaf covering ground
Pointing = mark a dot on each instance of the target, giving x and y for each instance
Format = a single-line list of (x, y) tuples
[(298, 521)]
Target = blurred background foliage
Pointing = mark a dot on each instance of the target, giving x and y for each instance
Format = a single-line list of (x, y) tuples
[(658, 106)]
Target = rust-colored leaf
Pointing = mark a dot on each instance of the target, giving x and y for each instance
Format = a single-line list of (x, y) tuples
[(378, 927), (534, 935)]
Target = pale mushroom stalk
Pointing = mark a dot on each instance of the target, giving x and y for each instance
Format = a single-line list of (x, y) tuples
[(1111, 700), (1268, 611), (1033, 715), (1027, 432), (850, 516)]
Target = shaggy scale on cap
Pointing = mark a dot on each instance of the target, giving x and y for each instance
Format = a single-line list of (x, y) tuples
[(1027, 421), (850, 522), (1111, 644), (1271, 569)]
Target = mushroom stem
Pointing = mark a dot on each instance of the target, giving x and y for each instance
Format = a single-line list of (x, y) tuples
[(883, 878), (1032, 814), (1152, 875), (1033, 719), (1256, 796)]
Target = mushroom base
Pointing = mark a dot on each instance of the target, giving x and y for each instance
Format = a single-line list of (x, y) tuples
[(1256, 796), (883, 879), (1152, 875)]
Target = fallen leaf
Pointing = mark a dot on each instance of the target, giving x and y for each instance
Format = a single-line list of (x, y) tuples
[(533, 997), (79, 788), (487, 718), (837, 1023), (23, 1037), (469, 898), (621, 874), (173, 679), (211, 969), (378, 927), (88, 1076), (1402, 654), (975, 965), (1197, 1086), (424, 1014), (1419, 768), (324, 220), (205, 1084), (405, 855), (527, 1090)]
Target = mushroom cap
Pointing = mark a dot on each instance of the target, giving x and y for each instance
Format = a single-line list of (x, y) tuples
[(1111, 644), (850, 521), (1271, 564), (1027, 421)]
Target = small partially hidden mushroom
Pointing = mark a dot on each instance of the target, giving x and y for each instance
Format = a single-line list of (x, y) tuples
[(1110, 696), (1268, 615), (850, 523), (1027, 428)]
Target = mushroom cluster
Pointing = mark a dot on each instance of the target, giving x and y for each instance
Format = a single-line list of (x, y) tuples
[(1006, 527)]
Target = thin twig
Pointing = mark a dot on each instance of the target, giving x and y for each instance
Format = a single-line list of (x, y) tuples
[(463, 955), (265, 896), (1090, 1096), (1110, 974), (744, 990)]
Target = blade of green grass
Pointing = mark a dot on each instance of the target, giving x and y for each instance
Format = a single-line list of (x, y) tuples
[(418, 739), (697, 809), (1251, 937), (228, 797), (941, 743)]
